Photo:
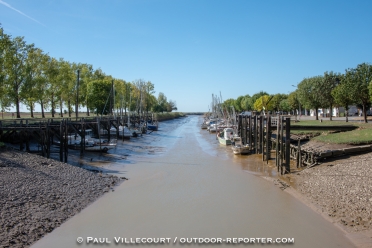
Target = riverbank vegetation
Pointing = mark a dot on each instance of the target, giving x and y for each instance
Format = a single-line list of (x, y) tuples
[(354, 87), (31, 77)]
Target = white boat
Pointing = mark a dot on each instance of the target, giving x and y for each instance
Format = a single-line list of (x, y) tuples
[(226, 137), (241, 149), (91, 144), (212, 128), (124, 132)]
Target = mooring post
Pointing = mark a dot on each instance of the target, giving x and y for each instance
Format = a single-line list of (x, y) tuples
[(61, 141), (65, 139), (268, 139), (255, 134), (281, 144), (277, 143), (250, 132), (48, 139), (287, 145), (260, 147)]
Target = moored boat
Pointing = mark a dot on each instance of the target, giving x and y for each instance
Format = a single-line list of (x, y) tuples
[(226, 136), (241, 149)]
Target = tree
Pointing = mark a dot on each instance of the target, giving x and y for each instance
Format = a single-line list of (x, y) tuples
[(256, 96), (327, 85), (360, 77), (5, 43), (246, 103), (263, 103), (342, 95), (292, 101), (308, 90), (284, 105), (35, 87), (171, 105), (98, 93), (15, 68), (54, 88), (277, 99), (238, 104)]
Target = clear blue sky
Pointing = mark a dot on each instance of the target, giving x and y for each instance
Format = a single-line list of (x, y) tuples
[(191, 49)]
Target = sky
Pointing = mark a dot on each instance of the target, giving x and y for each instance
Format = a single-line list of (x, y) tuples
[(191, 49)]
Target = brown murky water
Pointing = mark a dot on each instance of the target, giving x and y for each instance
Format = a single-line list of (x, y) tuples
[(183, 184)]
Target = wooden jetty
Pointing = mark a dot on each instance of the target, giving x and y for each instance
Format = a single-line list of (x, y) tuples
[(45, 132), (258, 133)]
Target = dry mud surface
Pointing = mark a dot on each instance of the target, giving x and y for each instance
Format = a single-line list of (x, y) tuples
[(39, 194), (340, 189)]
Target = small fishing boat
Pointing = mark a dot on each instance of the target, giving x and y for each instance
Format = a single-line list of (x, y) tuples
[(91, 144), (152, 126), (226, 137), (241, 149)]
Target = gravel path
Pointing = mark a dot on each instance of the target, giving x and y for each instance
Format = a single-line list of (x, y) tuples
[(39, 194)]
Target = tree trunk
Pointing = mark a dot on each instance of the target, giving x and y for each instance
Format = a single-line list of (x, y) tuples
[(42, 109), (365, 113), (87, 109), (17, 108), (330, 112), (53, 107), (61, 107), (69, 108), (32, 111), (347, 114), (316, 114)]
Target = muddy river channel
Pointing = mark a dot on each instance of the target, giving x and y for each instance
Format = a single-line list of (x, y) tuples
[(185, 189)]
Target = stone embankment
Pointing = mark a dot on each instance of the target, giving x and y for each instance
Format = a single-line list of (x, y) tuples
[(39, 194)]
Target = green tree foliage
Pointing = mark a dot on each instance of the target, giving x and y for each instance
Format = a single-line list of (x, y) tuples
[(257, 96), (5, 44), (277, 99), (293, 101), (98, 93), (284, 105), (342, 94), (361, 77), (308, 90), (264, 103), (16, 68), (328, 84), (246, 103)]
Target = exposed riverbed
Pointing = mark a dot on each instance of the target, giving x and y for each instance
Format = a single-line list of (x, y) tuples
[(183, 184)]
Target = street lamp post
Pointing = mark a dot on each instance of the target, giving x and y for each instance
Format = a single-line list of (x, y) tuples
[(299, 104)]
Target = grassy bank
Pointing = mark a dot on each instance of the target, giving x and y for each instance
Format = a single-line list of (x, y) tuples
[(361, 135)]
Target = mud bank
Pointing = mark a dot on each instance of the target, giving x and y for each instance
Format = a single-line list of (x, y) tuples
[(38, 194), (341, 191)]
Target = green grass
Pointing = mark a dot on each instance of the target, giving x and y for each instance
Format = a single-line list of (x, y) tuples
[(362, 135), (355, 137)]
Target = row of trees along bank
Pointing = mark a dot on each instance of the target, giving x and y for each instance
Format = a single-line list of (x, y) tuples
[(30, 76), (354, 87)]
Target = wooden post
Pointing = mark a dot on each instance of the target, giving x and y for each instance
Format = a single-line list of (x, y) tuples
[(277, 156), (47, 130), (255, 134), (260, 147), (299, 153), (281, 144), (268, 139), (246, 129), (61, 141), (66, 141), (287, 145)]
